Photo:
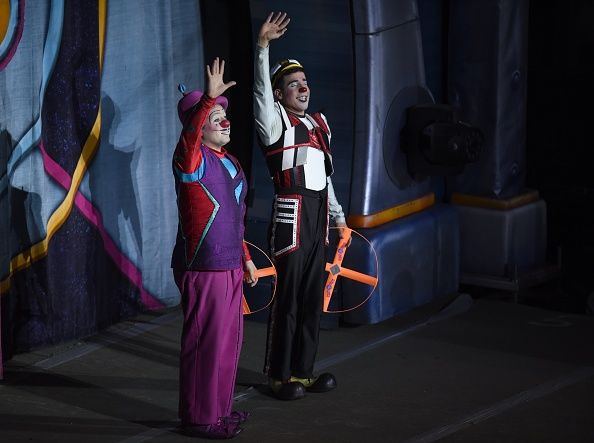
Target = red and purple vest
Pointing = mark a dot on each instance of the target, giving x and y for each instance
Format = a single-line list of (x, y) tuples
[(211, 212)]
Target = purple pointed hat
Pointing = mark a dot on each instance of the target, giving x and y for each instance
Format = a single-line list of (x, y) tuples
[(191, 98)]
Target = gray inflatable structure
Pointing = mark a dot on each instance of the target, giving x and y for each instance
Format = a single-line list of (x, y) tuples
[(365, 64), (418, 254)]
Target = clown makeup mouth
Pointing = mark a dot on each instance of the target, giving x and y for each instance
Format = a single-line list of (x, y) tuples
[(303, 98)]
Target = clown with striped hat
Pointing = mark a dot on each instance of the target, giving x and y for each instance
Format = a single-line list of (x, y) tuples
[(296, 146)]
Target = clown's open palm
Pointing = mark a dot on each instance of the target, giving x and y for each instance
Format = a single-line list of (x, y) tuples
[(215, 85), (273, 27)]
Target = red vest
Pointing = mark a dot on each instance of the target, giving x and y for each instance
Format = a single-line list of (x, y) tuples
[(283, 158)]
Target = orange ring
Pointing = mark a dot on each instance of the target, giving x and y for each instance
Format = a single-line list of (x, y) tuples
[(263, 272)]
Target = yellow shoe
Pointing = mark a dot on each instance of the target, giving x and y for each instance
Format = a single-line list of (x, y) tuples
[(306, 382), (322, 383)]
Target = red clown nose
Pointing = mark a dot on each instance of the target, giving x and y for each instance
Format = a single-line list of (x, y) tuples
[(303, 89), (225, 124)]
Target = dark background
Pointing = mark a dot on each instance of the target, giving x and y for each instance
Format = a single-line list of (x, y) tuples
[(559, 146)]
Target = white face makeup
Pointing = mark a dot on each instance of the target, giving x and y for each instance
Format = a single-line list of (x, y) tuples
[(216, 132), (294, 95)]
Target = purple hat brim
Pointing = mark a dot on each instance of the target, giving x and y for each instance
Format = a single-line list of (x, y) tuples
[(190, 99)]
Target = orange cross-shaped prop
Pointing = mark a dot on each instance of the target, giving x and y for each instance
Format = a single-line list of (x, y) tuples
[(335, 270), (264, 272)]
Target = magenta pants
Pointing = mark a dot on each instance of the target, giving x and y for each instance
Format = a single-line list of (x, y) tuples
[(210, 343)]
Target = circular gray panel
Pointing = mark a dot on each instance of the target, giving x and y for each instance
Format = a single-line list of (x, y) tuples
[(394, 158)]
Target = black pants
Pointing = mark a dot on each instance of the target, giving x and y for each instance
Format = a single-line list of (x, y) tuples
[(298, 237)]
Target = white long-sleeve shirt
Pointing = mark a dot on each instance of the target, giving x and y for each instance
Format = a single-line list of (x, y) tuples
[(269, 125)]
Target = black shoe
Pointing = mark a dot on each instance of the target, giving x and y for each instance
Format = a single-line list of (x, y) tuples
[(221, 430), (287, 391), (322, 383)]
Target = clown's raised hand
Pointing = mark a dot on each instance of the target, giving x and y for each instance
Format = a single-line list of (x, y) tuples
[(273, 27), (215, 85)]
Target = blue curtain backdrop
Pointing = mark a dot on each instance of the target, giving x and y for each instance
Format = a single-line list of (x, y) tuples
[(88, 123)]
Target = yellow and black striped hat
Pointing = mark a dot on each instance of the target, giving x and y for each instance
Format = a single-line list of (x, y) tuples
[(281, 67)]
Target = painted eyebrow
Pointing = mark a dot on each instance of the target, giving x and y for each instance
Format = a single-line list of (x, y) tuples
[(295, 81), (215, 115)]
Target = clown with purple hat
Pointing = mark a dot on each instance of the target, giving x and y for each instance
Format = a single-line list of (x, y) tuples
[(210, 260)]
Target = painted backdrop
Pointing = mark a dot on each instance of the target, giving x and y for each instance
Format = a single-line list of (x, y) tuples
[(87, 126)]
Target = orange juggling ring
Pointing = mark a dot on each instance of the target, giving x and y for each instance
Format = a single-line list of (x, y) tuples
[(335, 270), (262, 272)]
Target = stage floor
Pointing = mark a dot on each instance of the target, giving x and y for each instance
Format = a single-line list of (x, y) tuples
[(474, 371)]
